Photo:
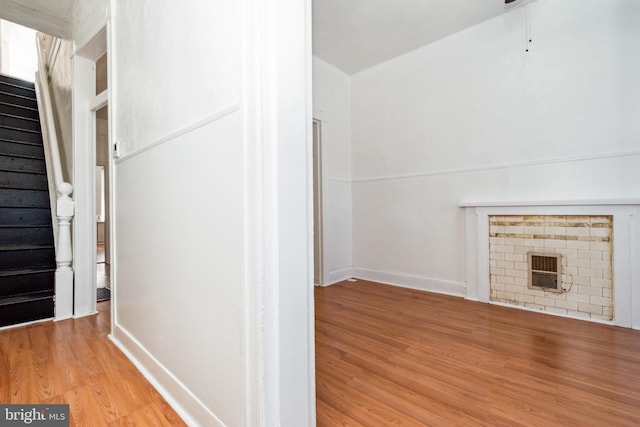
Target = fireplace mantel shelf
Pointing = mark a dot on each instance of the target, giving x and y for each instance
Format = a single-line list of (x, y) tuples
[(579, 202)]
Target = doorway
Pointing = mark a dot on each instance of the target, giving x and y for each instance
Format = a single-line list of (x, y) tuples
[(103, 262), (90, 95), (318, 266)]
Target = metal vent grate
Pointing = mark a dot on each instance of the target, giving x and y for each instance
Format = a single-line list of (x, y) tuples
[(544, 272), (544, 263)]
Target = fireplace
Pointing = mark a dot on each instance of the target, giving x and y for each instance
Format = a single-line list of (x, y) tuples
[(584, 257), (553, 263)]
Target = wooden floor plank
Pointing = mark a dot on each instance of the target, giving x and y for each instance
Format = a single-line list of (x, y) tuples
[(398, 356), (73, 362)]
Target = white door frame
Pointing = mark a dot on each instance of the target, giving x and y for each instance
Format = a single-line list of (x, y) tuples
[(318, 238), (85, 104)]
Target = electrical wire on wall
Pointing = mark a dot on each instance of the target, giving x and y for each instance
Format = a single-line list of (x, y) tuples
[(527, 26)]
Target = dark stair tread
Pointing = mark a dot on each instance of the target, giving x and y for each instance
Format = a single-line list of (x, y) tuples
[(21, 171), (20, 129), (22, 298), (26, 225), (15, 141), (8, 273), (20, 117), (12, 98), (13, 187), (20, 156), (21, 107), (18, 86), (17, 80), (10, 95), (15, 117), (30, 207), (18, 110), (24, 247), (20, 122), (14, 89)]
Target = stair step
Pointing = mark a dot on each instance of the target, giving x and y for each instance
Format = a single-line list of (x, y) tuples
[(22, 164), (34, 235), (24, 216), (17, 89), (4, 274), (22, 135), (27, 257), (20, 282), (24, 198), (32, 296), (21, 148), (23, 180), (10, 248), (24, 101), (19, 122), (19, 110), (20, 156), (17, 81), (26, 310)]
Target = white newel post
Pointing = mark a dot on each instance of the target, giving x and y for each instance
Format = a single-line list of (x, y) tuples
[(64, 255)]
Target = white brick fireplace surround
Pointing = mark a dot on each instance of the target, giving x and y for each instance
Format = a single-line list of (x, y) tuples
[(625, 247)]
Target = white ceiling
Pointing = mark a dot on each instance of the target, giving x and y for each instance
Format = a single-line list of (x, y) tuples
[(353, 35), (48, 16)]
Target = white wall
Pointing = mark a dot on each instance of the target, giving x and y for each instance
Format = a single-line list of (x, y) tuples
[(332, 106), (474, 117), (179, 201), (88, 18), (213, 298)]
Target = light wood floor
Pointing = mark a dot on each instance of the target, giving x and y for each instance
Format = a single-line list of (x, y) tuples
[(391, 356), (74, 362)]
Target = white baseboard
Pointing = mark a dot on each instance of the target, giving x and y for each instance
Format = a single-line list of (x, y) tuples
[(411, 281), (192, 411), (339, 275)]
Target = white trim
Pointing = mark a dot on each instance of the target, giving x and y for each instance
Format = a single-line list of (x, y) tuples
[(32, 322), (338, 275), (177, 395), (579, 202), (220, 114), (317, 191), (94, 46), (411, 281), (626, 242), (481, 168), (252, 140), (340, 180), (111, 106), (100, 100), (84, 160), (634, 255)]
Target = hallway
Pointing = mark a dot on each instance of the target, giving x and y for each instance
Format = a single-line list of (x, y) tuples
[(74, 362)]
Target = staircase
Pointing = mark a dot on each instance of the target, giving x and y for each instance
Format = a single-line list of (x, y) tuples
[(27, 255)]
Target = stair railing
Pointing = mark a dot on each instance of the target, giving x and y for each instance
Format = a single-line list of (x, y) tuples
[(62, 205)]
